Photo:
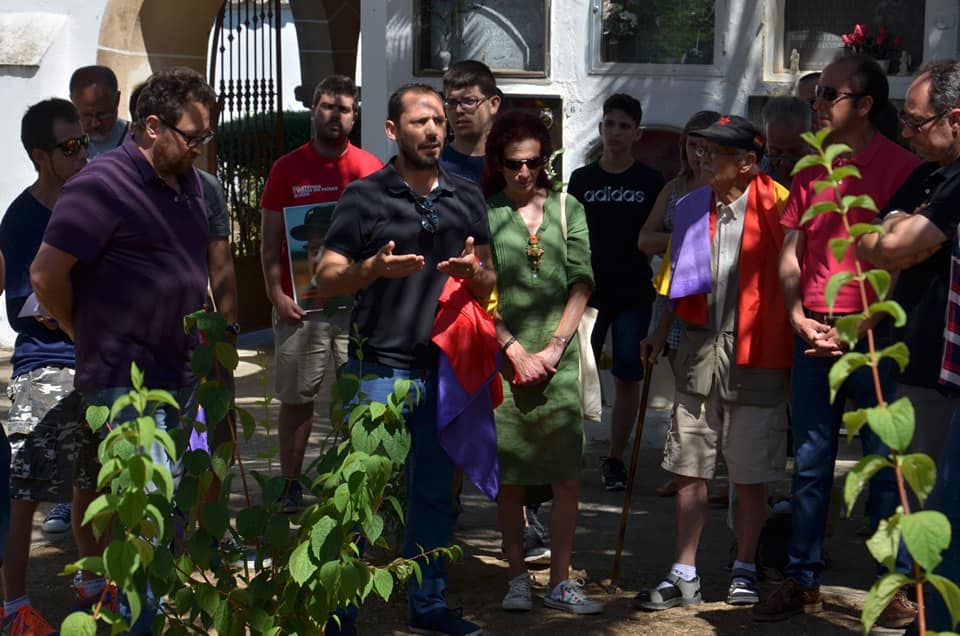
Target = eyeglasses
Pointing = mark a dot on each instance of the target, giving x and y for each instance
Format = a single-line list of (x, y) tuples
[(832, 95), (73, 145), (914, 125), (429, 217), (710, 155), (192, 141), (469, 104), (516, 164)]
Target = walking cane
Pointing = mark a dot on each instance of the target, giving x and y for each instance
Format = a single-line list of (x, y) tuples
[(634, 455)]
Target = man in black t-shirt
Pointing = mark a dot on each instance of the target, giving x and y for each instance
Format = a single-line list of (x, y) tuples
[(395, 238), (919, 221), (618, 192), (472, 101)]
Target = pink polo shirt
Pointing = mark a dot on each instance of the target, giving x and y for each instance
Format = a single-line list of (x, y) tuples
[(884, 166)]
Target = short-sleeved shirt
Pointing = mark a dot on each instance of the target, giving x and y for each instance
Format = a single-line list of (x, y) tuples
[(617, 206), (113, 139), (21, 233), (466, 166), (396, 315), (303, 176), (218, 218), (922, 289), (142, 266), (884, 167)]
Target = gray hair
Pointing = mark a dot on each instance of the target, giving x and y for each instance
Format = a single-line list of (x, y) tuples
[(786, 109), (944, 84)]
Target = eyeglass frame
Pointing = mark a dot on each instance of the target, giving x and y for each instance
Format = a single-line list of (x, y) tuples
[(429, 217), (916, 127), (452, 103), (82, 141), (192, 141), (820, 92)]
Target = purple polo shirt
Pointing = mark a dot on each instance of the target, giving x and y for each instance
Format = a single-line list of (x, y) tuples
[(141, 250)]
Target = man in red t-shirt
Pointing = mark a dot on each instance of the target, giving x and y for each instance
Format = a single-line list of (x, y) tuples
[(316, 172), (851, 97)]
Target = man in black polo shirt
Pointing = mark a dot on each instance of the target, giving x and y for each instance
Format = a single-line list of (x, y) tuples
[(617, 193), (919, 221), (395, 238)]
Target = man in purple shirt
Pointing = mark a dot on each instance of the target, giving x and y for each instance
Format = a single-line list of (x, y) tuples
[(124, 259)]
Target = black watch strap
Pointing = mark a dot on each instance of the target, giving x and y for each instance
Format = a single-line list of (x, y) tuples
[(234, 328)]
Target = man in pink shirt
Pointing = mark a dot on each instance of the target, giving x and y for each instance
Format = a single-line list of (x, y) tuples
[(851, 97)]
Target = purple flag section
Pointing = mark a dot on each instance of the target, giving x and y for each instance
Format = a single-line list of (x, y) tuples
[(466, 429), (198, 440), (690, 247)]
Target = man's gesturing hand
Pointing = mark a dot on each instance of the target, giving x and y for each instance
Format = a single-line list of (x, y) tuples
[(386, 265), (463, 266)]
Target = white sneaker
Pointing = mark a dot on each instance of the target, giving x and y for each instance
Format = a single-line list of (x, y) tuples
[(569, 597), (519, 596)]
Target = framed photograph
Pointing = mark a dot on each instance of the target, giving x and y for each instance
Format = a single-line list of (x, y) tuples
[(510, 37), (306, 227)]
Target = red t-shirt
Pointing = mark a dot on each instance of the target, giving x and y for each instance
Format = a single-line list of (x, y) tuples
[(302, 177), (884, 166)]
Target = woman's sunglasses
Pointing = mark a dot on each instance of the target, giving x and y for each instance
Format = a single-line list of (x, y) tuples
[(516, 164), (73, 145)]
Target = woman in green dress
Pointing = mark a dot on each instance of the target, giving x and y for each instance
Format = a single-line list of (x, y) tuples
[(544, 279)]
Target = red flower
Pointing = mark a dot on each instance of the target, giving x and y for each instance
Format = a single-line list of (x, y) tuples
[(847, 39)]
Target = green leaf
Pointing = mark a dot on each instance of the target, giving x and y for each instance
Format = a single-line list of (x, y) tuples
[(227, 355), (848, 328), (881, 421), (136, 376), (858, 477), (202, 360), (806, 162), (330, 576), (212, 323), (377, 409), (373, 527), (836, 282), (145, 549), (251, 522), (397, 445), (838, 247), (820, 186), (278, 530), (97, 416), (346, 388), (104, 504), (885, 542), (821, 207), (863, 201), (247, 423), (835, 150), (120, 560), (920, 472), (216, 401), (853, 421), (220, 460), (131, 507), (302, 566), (91, 563), (898, 352), (901, 412), (341, 497), (162, 397), (846, 172), (163, 438), (892, 308), (859, 229), (383, 583), (927, 534), (879, 597), (141, 470), (207, 598), (196, 462), (108, 470), (323, 542), (163, 481), (879, 279), (842, 368), (79, 624), (215, 518), (950, 594)]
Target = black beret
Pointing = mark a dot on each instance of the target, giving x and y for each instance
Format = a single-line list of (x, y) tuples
[(733, 132)]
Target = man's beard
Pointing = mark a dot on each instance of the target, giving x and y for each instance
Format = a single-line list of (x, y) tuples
[(328, 136), (165, 163), (417, 161)]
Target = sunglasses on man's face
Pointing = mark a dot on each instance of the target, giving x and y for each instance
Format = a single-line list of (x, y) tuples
[(72, 146), (831, 94), (516, 164)]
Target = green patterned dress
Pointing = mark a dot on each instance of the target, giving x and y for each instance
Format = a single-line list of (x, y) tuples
[(539, 427)]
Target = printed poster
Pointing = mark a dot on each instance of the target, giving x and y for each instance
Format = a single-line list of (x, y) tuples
[(306, 226)]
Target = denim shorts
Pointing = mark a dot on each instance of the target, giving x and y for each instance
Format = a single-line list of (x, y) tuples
[(629, 327)]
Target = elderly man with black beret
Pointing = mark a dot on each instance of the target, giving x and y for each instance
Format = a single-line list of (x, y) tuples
[(732, 369)]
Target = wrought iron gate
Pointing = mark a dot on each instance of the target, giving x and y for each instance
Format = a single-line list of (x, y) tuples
[(245, 70)]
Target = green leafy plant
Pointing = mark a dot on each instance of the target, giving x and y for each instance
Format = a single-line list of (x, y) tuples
[(190, 548), (926, 533)]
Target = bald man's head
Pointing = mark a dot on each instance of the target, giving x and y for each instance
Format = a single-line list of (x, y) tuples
[(94, 91)]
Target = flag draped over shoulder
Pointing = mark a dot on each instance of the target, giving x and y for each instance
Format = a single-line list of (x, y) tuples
[(764, 336), (468, 388)]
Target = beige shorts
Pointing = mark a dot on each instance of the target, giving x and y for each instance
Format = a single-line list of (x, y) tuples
[(305, 351), (753, 439)]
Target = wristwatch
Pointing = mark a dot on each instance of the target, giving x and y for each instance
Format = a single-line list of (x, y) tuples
[(234, 328)]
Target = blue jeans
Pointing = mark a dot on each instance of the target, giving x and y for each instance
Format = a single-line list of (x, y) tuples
[(946, 499), (431, 504), (629, 326), (815, 425)]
